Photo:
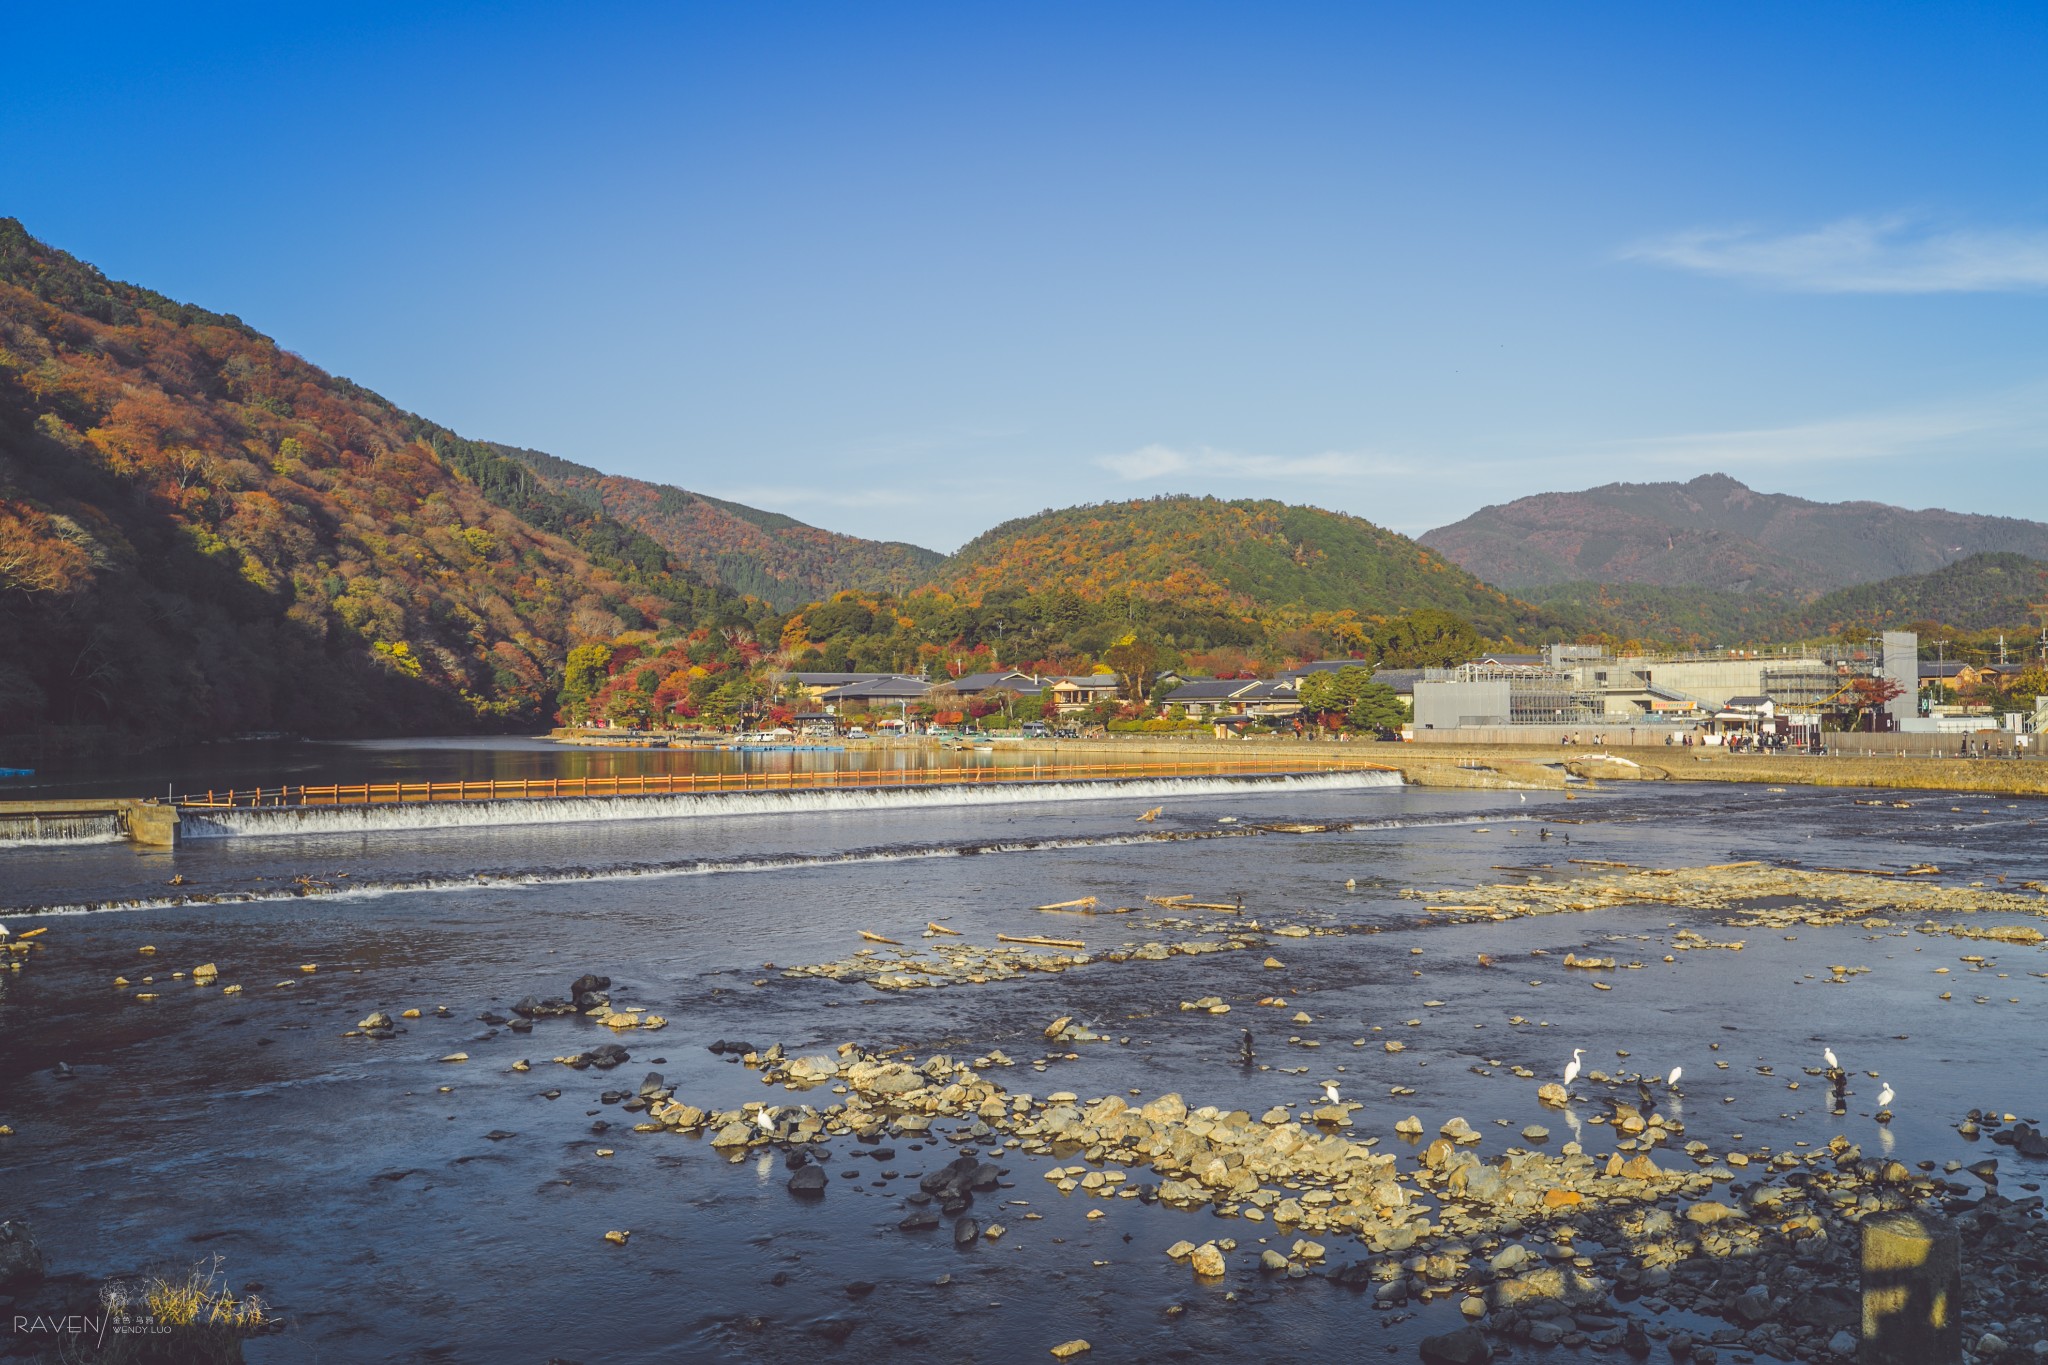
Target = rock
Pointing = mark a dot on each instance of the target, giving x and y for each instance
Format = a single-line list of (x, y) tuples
[(1753, 1306), (1710, 1211), (965, 1231), (1180, 1250), (21, 1260), (1466, 1346), (918, 1220), (734, 1134), (808, 1183), (1843, 1343), (652, 1085), (1067, 1350), (587, 984), (1167, 1109), (1553, 1095), (1510, 1258), (376, 1019), (605, 1056), (1544, 1283), (1272, 1262), (1535, 1132), (1459, 1131), (1207, 1261), (1409, 1127)]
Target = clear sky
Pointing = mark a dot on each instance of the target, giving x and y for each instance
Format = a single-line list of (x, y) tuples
[(906, 270)]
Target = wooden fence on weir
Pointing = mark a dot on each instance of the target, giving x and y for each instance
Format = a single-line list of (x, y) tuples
[(711, 784)]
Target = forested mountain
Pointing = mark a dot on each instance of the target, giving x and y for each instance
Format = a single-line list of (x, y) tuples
[(1983, 592), (776, 558), (1714, 532), (1261, 559), (201, 533)]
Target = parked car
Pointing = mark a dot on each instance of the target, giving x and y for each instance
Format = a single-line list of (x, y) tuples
[(856, 732), (1037, 729)]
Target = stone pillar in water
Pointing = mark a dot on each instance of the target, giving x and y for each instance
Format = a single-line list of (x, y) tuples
[(1912, 1291)]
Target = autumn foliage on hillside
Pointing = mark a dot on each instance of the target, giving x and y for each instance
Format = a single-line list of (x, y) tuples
[(201, 534), (1275, 564), (763, 554)]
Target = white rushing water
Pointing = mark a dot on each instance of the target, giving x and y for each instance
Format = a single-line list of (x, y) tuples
[(305, 820)]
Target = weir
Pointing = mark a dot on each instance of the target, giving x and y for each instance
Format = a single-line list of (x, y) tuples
[(333, 809), (79, 821)]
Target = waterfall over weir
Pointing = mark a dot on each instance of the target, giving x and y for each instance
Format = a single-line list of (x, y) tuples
[(304, 820)]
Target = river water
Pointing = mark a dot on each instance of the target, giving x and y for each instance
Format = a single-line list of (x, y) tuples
[(355, 1181)]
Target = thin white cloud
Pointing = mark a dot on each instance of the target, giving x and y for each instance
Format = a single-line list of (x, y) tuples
[(2009, 421), (1164, 462), (1889, 255)]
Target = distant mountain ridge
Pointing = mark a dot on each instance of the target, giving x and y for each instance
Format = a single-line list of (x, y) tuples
[(1716, 532), (767, 555)]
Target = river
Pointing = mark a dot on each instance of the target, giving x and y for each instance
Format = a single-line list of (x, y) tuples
[(397, 1207)]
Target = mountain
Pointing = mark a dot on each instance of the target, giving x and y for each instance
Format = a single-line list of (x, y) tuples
[(1982, 593), (1253, 557), (765, 554), (1715, 532), (203, 534)]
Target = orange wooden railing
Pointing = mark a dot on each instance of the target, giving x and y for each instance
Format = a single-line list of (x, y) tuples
[(685, 784)]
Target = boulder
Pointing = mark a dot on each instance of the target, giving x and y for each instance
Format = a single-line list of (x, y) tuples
[(1466, 1346), (1207, 1261), (375, 1019), (808, 1182)]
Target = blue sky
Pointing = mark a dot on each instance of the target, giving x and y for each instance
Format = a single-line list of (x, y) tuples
[(907, 270)]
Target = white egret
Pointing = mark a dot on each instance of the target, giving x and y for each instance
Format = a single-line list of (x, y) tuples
[(1884, 1096), (765, 1120), (1671, 1081), (1571, 1071), (1829, 1053), (1330, 1091)]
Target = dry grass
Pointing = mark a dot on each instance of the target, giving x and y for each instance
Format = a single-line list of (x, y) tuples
[(193, 1318)]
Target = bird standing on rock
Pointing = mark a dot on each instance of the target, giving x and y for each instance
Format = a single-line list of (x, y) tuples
[(1244, 1049), (1671, 1081), (1829, 1054), (1330, 1093), (1884, 1103)]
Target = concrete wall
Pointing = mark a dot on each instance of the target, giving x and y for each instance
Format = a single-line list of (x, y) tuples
[(1713, 681), (1450, 705), (1611, 735)]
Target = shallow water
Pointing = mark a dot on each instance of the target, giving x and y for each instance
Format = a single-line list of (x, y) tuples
[(387, 1227)]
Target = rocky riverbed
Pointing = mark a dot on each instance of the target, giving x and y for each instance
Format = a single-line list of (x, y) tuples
[(1292, 1096)]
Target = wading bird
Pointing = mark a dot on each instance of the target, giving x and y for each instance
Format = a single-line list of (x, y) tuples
[(1330, 1092), (1885, 1097), (1571, 1070), (1829, 1054), (1671, 1081), (765, 1120)]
